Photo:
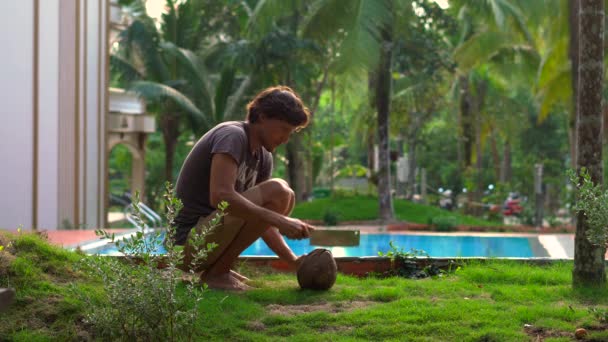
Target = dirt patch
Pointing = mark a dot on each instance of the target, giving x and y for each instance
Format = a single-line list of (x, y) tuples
[(540, 334), (337, 307), (256, 326), (6, 259)]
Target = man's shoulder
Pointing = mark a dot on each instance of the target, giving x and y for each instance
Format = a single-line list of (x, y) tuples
[(230, 126), (233, 128)]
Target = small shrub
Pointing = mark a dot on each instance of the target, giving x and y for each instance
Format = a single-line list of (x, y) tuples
[(600, 314), (553, 221), (444, 223), (330, 218), (527, 215), (142, 302), (406, 265), (592, 200)]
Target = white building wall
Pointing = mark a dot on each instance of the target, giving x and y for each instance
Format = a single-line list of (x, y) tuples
[(93, 134), (48, 109), (16, 105), (56, 176)]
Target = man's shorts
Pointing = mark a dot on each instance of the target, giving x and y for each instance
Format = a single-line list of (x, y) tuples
[(223, 235)]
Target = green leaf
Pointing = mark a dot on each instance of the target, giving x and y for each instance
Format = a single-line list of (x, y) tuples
[(356, 23), (557, 90), (230, 113), (196, 75), (264, 14), (480, 48), (153, 91), (223, 91)]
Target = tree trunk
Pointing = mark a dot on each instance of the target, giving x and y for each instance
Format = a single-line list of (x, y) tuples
[(505, 167), (466, 115), (589, 269), (296, 156), (478, 193), (296, 166), (411, 169), (495, 155), (331, 135), (574, 61), (309, 162), (383, 98), (169, 125)]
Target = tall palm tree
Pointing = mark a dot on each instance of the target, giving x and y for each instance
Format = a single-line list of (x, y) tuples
[(589, 266), (144, 66), (159, 64), (294, 19), (491, 30), (558, 71), (368, 46)]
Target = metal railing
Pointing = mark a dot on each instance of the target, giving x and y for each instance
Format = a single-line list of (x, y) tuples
[(150, 215)]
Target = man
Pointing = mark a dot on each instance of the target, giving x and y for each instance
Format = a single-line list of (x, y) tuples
[(233, 163)]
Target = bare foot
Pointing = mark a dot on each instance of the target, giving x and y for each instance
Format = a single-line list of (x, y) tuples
[(239, 276), (224, 281)]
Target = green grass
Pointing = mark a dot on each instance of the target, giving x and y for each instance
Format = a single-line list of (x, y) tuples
[(480, 302), (489, 301), (46, 280), (363, 208)]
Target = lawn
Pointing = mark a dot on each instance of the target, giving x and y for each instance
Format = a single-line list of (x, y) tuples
[(363, 208), (489, 301)]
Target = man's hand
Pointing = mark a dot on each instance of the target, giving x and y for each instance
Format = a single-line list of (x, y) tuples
[(295, 229)]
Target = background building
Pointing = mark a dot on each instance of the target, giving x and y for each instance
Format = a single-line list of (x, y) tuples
[(56, 130)]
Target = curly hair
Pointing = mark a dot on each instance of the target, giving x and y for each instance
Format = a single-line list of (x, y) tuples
[(279, 102)]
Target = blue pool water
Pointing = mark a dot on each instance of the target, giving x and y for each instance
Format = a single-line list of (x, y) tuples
[(434, 245)]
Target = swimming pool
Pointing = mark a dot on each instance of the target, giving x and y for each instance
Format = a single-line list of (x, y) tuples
[(436, 245)]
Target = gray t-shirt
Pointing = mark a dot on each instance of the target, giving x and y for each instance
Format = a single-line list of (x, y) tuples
[(192, 188)]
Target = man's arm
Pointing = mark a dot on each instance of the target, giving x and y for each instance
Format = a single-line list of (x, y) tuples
[(221, 187), (272, 237)]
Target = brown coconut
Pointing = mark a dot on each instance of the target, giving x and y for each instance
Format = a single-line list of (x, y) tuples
[(318, 270)]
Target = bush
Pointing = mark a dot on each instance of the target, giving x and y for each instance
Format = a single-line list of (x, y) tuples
[(592, 201), (330, 217), (141, 301), (444, 223)]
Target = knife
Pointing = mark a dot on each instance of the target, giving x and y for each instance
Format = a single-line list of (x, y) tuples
[(334, 237)]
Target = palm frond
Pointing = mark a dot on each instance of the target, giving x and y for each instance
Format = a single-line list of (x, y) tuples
[(265, 13), (360, 48), (327, 16), (480, 48), (154, 92), (497, 11), (230, 113), (143, 40), (169, 28), (196, 74), (126, 71), (223, 91), (553, 63), (557, 90), (519, 19)]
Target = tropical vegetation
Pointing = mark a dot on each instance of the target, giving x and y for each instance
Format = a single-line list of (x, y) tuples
[(410, 97)]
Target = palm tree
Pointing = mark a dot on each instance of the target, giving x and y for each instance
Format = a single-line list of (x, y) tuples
[(159, 64), (304, 22), (589, 266), (486, 38), (144, 67), (367, 45), (144, 63)]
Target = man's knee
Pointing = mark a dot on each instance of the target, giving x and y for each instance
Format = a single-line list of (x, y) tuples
[(278, 191)]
